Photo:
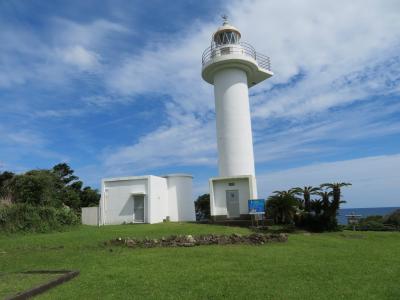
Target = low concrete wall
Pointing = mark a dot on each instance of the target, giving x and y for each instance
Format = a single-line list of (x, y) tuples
[(90, 216)]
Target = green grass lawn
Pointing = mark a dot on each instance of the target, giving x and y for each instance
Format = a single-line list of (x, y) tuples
[(341, 265), (12, 283)]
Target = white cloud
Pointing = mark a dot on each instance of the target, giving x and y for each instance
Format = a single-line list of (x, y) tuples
[(89, 35), (80, 57), (21, 138), (184, 142), (46, 59), (375, 180), (58, 113)]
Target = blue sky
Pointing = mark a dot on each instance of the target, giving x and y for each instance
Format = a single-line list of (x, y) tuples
[(114, 88)]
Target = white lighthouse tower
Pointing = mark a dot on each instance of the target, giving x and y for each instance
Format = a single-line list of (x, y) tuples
[(233, 67)]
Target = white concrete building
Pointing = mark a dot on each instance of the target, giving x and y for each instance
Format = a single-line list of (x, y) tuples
[(232, 67), (146, 199)]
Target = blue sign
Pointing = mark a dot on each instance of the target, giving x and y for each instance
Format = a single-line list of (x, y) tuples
[(256, 206)]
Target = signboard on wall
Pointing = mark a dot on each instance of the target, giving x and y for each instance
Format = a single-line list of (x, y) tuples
[(256, 206)]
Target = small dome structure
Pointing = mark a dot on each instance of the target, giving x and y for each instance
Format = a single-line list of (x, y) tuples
[(226, 34)]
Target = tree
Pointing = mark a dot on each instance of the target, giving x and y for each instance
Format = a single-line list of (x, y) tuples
[(64, 172), (336, 192), (5, 190), (306, 192), (89, 197), (70, 197), (77, 185), (36, 187), (288, 193), (393, 218), (5, 176), (325, 196), (202, 206), (335, 204), (282, 206), (316, 206)]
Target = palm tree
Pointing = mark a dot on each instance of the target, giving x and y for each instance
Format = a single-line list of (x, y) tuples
[(288, 193), (325, 196), (307, 191), (335, 204), (336, 192), (316, 206), (291, 193), (282, 206)]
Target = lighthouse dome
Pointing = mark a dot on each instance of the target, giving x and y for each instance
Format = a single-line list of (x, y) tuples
[(226, 34)]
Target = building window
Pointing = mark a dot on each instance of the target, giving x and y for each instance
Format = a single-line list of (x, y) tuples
[(231, 184)]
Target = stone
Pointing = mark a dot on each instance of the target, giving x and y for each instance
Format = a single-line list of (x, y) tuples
[(190, 239), (130, 243)]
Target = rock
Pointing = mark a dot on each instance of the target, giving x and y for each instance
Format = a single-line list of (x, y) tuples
[(190, 239), (130, 243), (282, 237)]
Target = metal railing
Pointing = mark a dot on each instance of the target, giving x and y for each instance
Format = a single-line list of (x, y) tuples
[(213, 51)]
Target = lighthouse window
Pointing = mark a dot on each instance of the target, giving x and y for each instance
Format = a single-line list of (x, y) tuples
[(227, 37)]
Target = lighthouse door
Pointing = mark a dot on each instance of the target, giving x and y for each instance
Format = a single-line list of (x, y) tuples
[(232, 203), (138, 208)]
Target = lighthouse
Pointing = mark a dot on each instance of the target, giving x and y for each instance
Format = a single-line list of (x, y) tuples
[(233, 67)]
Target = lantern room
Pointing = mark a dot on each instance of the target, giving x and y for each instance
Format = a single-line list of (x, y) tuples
[(226, 34)]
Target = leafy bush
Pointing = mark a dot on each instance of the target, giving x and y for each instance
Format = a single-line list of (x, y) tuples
[(66, 217), (36, 187), (30, 218), (202, 207), (393, 218), (53, 187), (372, 225), (89, 197)]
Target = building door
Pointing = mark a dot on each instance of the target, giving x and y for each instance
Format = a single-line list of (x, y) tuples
[(232, 203), (138, 208)]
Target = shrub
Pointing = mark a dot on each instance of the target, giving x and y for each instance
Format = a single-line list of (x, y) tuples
[(36, 187), (202, 207), (376, 218), (28, 218), (393, 218), (66, 216), (372, 226)]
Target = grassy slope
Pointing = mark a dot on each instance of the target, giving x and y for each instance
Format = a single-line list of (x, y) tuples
[(318, 266)]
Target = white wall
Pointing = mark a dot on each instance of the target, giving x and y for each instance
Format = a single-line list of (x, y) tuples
[(180, 197), (218, 188), (158, 199), (117, 199), (90, 215), (234, 136)]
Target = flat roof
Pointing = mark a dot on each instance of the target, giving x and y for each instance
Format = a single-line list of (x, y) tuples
[(177, 175), (126, 178)]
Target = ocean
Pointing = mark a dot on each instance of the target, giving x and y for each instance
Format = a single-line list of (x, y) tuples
[(364, 212)]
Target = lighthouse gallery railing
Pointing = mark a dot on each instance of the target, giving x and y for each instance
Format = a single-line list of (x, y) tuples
[(213, 51)]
